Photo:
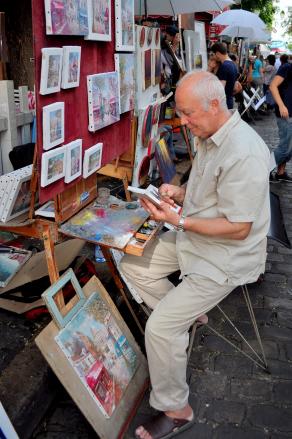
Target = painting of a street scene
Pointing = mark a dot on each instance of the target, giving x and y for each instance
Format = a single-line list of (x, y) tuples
[(56, 166), (125, 25), (56, 125), (101, 16), (54, 70), (99, 353), (66, 17), (125, 66), (103, 100)]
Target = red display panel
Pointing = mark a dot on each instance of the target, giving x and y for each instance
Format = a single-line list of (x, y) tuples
[(96, 57)]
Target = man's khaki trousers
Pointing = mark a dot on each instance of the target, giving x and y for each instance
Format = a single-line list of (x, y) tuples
[(174, 310)]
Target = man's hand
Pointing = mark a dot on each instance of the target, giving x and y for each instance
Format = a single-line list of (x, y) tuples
[(164, 213), (171, 194)]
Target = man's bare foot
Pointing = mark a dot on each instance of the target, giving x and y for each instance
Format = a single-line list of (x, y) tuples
[(184, 414)]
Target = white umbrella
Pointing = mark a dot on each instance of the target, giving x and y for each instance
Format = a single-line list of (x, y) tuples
[(239, 18), (253, 34), (175, 7)]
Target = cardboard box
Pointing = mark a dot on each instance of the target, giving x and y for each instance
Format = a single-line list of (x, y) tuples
[(36, 267)]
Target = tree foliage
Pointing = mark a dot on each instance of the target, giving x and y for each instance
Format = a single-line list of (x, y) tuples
[(265, 7)]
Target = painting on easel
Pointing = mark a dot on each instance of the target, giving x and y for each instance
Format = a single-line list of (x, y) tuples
[(103, 100)]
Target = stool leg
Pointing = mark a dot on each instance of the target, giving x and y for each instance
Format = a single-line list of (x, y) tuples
[(254, 322)]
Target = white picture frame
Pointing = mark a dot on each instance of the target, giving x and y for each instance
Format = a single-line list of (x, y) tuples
[(64, 18), (71, 66), (99, 20), (53, 166), (125, 25), (125, 66), (92, 159), (73, 160), (103, 100), (53, 125), (51, 71)]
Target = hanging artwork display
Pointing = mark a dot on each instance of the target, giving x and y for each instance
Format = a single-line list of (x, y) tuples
[(157, 37), (53, 125), (51, 70), (103, 100), (53, 165), (125, 66), (202, 50), (94, 354), (147, 69), (92, 160), (71, 66), (66, 17), (142, 33), (73, 160), (149, 35), (125, 25), (99, 20), (164, 162), (146, 126), (156, 67)]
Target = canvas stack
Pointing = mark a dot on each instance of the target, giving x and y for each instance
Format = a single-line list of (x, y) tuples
[(15, 194)]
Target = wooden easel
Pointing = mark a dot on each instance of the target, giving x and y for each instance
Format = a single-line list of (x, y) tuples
[(122, 167)]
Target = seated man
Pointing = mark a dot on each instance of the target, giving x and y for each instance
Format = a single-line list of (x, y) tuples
[(220, 242)]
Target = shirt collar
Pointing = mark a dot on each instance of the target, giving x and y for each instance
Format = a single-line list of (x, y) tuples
[(222, 133)]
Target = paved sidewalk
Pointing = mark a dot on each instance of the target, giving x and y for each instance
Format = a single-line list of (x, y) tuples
[(231, 397)]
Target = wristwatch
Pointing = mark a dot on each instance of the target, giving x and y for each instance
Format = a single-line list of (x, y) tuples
[(181, 224)]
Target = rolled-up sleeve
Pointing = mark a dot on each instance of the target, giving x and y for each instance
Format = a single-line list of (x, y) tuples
[(242, 188)]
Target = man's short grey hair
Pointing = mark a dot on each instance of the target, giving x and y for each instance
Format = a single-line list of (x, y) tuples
[(206, 88)]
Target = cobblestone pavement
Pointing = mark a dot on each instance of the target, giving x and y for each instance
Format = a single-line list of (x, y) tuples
[(231, 397)]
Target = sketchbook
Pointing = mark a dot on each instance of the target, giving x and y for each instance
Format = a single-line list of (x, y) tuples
[(150, 193)]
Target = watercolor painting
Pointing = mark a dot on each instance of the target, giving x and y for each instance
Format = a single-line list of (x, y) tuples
[(51, 70), (146, 126), (10, 264), (73, 160), (125, 66), (53, 125), (156, 67), (164, 162), (71, 66), (66, 17), (157, 37), (125, 25), (99, 352), (147, 69), (103, 100), (53, 166), (149, 36), (142, 36), (99, 20), (92, 159)]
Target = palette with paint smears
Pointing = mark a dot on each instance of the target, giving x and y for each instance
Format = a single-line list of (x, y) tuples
[(109, 226)]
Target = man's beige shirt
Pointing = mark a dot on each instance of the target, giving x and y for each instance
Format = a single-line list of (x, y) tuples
[(229, 179)]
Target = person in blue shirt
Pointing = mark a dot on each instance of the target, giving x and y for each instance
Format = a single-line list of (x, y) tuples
[(281, 89), (227, 72)]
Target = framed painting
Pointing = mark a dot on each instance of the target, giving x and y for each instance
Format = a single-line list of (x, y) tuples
[(125, 66), (103, 100), (99, 20), (51, 72), (66, 17), (71, 66), (95, 356), (125, 25), (53, 125), (73, 160), (147, 69), (202, 50), (92, 159), (18, 200), (53, 166)]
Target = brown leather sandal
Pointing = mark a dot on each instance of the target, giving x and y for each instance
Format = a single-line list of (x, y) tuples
[(162, 426)]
